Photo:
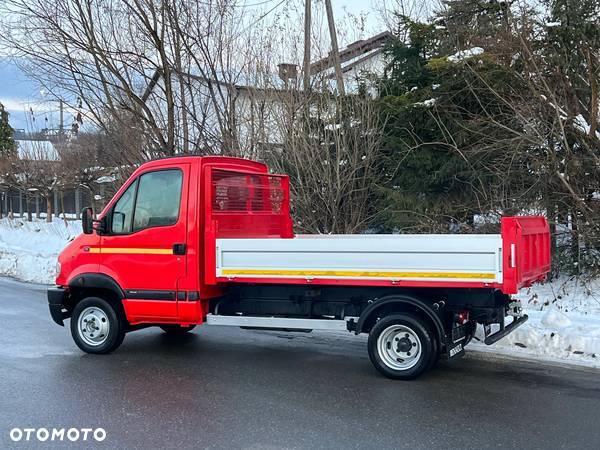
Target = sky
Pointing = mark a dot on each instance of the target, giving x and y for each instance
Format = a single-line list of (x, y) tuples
[(21, 97), (30, 110)]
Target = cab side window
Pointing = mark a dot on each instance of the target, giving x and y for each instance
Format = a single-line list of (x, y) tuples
[(158, 199), (123, 211)]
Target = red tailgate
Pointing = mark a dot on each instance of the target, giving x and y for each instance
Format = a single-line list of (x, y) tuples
[(525, 250)]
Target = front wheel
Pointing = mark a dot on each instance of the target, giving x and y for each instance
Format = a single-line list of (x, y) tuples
[(96, 326), (401, 346)]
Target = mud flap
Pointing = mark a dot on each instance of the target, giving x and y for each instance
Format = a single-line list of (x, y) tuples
[(454, 350)]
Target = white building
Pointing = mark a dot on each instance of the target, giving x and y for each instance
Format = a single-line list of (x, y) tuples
[(36, 150)]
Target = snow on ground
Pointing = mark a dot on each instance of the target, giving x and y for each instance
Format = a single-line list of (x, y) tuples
[(564, 315), (28, 250), (563, 325)]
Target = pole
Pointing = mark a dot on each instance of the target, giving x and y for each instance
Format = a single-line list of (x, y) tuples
[(61, 126), (78, 203), (334, 48), (307, 26), (55, 192)]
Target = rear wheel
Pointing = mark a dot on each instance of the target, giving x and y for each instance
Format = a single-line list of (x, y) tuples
[(435, 354), (96, 326), (176, 329), (401, 346)]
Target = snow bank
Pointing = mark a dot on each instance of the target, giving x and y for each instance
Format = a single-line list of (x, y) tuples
[(563, 325), (28, 250)]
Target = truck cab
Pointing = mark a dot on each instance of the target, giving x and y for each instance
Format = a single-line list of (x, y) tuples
[(197, 240)]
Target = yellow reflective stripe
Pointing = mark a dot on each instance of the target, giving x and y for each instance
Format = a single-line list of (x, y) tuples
[(132, 251), (351, 273)]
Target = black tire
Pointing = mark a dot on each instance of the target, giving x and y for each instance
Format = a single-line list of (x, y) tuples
[(399, 334), (176, 329), (435, 355), (106, 318), (470, 334)]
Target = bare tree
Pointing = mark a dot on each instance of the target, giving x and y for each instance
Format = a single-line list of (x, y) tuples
[(171, 66), (332, 154)]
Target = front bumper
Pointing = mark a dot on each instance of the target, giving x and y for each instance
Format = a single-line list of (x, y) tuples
[(56, 299)]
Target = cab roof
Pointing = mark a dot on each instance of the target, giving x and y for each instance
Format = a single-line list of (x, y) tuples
[(224, 161)]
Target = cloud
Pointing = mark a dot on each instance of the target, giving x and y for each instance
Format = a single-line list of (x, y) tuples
[(21, 105)]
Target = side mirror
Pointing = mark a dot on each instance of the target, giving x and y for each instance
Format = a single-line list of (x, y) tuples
[(87, 220)]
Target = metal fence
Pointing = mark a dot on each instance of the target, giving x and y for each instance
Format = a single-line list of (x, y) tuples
[(67, 203)]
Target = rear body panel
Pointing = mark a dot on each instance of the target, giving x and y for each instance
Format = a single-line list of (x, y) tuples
[(249, 240), (439, 259)]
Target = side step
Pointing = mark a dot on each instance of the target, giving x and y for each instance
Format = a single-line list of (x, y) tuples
[(492, 338), (278, 322)]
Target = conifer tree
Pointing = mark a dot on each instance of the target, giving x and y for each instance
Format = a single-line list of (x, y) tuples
[(7, 143)]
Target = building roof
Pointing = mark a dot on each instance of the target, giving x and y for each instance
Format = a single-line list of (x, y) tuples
[(36, 150), (354, 53)]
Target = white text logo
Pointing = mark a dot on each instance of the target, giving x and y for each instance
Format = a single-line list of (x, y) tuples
[(58, 434)]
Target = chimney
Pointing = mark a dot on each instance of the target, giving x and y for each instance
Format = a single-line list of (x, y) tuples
[(287, 72)]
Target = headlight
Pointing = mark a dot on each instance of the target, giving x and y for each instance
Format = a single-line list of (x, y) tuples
[(57, 268)]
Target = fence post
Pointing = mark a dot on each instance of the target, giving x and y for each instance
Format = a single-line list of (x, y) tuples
[(20, 204), (78, 203), (55, 192), (37, 205)]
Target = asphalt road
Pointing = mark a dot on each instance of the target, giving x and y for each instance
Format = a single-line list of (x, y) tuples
[(231, 388)]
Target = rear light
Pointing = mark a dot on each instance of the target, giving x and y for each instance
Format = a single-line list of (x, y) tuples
[(461, 317)]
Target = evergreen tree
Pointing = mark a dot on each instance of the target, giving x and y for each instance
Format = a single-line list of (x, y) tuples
[(492, 110), (470, 22), (570, 52), (445, 115), (7, 143)]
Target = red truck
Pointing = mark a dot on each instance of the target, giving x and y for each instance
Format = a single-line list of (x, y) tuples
[(209, 240)]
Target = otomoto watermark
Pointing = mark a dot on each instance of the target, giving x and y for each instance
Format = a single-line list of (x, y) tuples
[(57, 434)]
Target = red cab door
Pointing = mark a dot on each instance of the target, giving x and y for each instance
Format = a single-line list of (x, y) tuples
[(145, 243)]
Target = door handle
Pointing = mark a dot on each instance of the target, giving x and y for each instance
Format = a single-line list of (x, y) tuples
[(179, 249)]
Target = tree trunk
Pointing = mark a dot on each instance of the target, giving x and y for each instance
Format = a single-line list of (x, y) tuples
[(36, 198), (551, 217), (55, 203), (48, 208), (78, 203), (62, 207), (575, 243), (593, 92)]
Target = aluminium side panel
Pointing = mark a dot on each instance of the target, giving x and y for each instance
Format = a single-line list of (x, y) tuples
[(439, 258)]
